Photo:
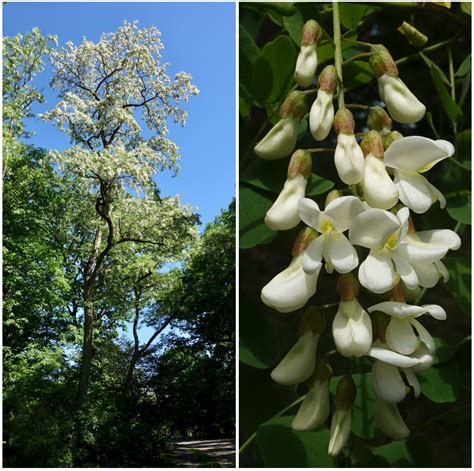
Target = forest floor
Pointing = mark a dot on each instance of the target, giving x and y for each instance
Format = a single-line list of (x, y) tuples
[(189, 453)]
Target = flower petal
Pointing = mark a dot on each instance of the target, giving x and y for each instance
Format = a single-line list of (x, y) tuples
[(443, 271), (376, 272), (414, 153), (388, 383), (424, 359), (306, 65), (280, 141), (313, 254), (424, 335), (435, 311), (414, 191), (341, 424), (412, 381), (321, 115), (342, 211), (406, 271), (400, 336), (315, 408), (440, 238), (372, 228), (379, 189), (309, 212), (389, 421), (342, 254), (427, 273), (349, 159), (393, 358), (396, 309)]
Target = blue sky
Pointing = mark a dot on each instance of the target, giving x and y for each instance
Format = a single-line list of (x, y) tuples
[(199, 38)]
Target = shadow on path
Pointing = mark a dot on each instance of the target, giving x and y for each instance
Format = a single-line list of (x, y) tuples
[(189, 453)]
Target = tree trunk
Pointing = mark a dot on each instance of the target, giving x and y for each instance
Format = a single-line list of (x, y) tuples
[(131, 367), (87, 353)]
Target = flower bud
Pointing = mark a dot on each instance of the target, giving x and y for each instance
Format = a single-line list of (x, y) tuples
[(298, 364), (412, 35), (281, 139), (322, 111), (303, 239), (391, 137), (331, 196), (307, 60), (380, 323), (344, 122), (345, 393), (314, 410), (372, 144), (382, 62), (283, 215), (379, 120), (348, 287), (341, 425), (389, 421)]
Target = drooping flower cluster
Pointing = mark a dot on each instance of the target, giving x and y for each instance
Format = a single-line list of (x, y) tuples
[(367, 227)]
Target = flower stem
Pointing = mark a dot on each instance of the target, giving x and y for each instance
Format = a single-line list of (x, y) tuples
[(452, 83), (338, 51), (320, 149), (355, 41), (357, 56), (357, 106), (278, 414)]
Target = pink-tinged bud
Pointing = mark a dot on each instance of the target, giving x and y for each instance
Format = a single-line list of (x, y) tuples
[(391, 137), (313, 319), (344, 122), (372, 144), (348, 287), (311, 33), (382, 62), (379, 120), (328, 79), (380, 323), (294, 105), (303, 239), (345, 393), (300, 164), (412, 35)]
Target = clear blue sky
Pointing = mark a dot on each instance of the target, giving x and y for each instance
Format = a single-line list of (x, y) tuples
[(199, 38)]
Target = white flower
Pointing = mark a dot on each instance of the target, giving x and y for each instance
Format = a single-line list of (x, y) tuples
[(331, 223), (386, 377), (315, 408), (404, 333), (402, 105), (411, 156), (389, 421), (341, 424), (349, 159), (283, 214), (280, 140), (298, 364), (321, 115), (352, 329), (381, 232), (306, 65)]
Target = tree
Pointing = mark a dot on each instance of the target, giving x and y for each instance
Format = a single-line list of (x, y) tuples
[(102, 87)]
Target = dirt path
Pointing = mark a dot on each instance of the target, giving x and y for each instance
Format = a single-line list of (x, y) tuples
[(188, 453)]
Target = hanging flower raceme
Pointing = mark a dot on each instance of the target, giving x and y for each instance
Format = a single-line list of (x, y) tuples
[(315, 407), (348, 157), (341, 422), (425, 250), (351, 327), (410, 157), (291, 289), (332, 245), (321, 115), (402, 105), (381, 232), (404, 332), (299, 363), (281, 139), (388, 419), (378, 120), (284, 214), (379, 189), (307, 60)]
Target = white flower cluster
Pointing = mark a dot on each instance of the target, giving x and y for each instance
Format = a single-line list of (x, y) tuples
[(375, 215)]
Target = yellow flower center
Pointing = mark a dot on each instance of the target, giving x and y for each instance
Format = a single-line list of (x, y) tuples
[(327, 226), (392, 241)]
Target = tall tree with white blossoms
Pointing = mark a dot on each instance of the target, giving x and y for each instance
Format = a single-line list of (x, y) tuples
[(108, 91)]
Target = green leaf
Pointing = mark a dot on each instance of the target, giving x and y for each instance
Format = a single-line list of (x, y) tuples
[(351, 14), (357, 73), (440, 383), (451, 109), (463, 149), (466, 7), (254, 204), (430, 64), (247, 45), (272, 75), (294, 25), (459, 282), (284, 9), (246, 356), (465, 67), (395, 453), (363, 424), (459, 208), (271, 175), (282, 447)]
